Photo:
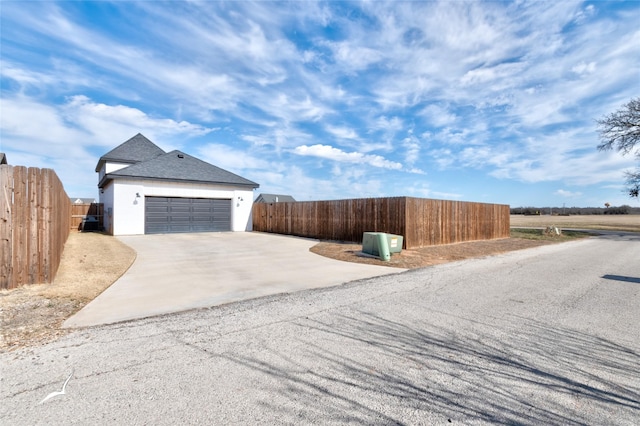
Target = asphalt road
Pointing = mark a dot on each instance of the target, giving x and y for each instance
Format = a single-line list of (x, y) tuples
[(548, 335)]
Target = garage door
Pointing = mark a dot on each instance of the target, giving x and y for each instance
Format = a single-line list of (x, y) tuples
[(170, 215)]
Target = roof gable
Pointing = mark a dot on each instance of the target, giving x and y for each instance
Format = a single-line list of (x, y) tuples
[(78, 200), (134, 150), (274, 198), (177, 166), (3, 158)]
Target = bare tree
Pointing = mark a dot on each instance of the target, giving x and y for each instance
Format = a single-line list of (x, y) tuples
[(620, 130)]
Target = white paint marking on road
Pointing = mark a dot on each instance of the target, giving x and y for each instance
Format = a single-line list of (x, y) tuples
[(62, 392)]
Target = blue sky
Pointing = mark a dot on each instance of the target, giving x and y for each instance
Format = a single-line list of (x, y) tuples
[(475, 101)]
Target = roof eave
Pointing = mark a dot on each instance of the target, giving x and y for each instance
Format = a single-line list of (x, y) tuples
[(112, 160), (114, 176)]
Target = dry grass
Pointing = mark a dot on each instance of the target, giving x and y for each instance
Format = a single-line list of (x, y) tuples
[(424, 256), (434, 255), (33, 314), (625, 222)]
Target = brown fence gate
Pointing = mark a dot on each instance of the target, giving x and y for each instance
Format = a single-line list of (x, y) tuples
[(86, 216)]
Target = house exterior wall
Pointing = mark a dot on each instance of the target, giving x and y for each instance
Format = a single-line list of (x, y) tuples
[(129, 208), (106, 198), (110, 168)]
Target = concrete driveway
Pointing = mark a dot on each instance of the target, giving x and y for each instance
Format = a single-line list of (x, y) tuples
[(178, 272)]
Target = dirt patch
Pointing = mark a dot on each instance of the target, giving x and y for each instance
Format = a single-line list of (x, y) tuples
[(33, 314), (428, 256)]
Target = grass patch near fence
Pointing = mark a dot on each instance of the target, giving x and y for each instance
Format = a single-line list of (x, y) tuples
[(539, 234)]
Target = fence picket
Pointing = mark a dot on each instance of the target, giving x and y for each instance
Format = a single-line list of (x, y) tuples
[(20, 217), (34, 185), (45, 250), (6, 242)]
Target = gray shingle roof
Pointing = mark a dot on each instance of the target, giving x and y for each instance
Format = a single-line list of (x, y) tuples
[(80, 200), (135, 150), (177, 166), (274, 198)]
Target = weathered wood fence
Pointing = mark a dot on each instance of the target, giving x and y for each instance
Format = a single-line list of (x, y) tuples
[(422, 222), (79, 212), (35, 213)]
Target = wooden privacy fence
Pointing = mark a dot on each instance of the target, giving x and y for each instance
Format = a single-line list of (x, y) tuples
[(80, 212), (35, 213), (422, 222)]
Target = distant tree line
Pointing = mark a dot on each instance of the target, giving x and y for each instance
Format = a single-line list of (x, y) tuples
[(575, 210)]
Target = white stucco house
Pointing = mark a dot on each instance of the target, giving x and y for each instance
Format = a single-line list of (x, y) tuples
[(146, 190)]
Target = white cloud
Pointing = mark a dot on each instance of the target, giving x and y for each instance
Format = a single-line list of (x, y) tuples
[(412, 146), (101, 119), (23, 76), (205, 82), (234, 160), (437, 115), (342, 132), (298, 109), (354, 57), (71, 136), (388, 124), (335, 154), (568, 194), (424, 190), (447, 195), (469, 134), (584, 68), (294, 180), (584, 14), (278, 136), (27, 123), (585, 169), (568, 156), (499, 76)]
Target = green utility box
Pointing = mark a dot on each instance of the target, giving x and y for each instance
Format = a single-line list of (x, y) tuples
[(395, 243), (381, 244), (370, 243)]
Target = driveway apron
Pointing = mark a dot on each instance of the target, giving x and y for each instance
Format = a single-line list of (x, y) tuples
[(178, 272)]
